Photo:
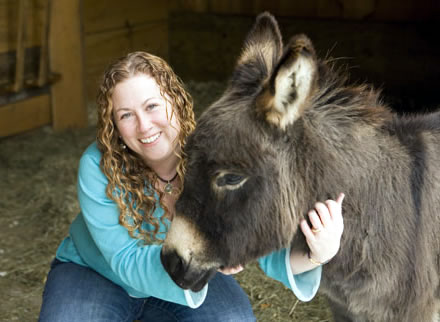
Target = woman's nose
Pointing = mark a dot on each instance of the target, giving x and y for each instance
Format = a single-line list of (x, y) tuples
[(144, 123)]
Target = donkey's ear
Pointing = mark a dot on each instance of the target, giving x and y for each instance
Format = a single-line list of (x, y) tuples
[(285, 95), (260, 53), (263, 41)]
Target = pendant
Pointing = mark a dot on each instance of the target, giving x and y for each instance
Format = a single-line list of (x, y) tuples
[(168, 188)]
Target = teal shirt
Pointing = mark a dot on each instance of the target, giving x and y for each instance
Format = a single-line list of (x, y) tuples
[(97, 240)]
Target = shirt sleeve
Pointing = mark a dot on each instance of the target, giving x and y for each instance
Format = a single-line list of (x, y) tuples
[(137, 265), (277, 266)]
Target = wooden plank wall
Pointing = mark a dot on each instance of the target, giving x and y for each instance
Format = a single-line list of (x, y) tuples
[(30, 98), (113, 28), (107, 30)]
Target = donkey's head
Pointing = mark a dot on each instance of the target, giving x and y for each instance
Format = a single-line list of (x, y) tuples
[(239, 201)]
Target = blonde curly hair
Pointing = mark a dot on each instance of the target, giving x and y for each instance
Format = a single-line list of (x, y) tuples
[(131, 182)]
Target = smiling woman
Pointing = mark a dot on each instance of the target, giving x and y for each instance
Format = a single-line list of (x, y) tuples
[(109, 267), (147, 124)]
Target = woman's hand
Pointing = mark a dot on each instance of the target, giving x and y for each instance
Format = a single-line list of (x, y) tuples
[(324, 236)]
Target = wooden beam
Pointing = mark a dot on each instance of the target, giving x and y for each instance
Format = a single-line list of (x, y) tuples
[(67, 59), (20, 52), (42, 68), (24, 115)]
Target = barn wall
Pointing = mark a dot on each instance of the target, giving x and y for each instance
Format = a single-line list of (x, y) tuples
[(391, 44), (8, 37), (113, 28), (29, 96)]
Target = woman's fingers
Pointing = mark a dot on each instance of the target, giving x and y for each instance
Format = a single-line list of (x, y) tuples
[(307, 231), (231, 270), (335, 208), (324, 214), (315, 220), (340, 198)]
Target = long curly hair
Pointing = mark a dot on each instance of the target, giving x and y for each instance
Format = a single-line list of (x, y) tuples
[(130, 181)]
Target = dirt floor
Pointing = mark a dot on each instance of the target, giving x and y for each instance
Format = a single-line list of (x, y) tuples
[(38, 202)]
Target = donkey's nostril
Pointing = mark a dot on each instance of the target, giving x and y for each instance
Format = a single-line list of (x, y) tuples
[(176, 263), (173, 263)]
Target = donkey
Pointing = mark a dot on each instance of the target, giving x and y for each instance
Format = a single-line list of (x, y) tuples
[(289, 130)]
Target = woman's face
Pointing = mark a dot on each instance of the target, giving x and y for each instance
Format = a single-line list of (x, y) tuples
[(143, 119)]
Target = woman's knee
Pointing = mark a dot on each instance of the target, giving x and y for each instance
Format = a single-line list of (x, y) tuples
[(76, 293)]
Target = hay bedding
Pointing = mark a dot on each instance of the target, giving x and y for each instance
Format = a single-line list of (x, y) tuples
[(38, 202)]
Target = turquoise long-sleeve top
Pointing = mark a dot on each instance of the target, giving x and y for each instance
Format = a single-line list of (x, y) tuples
[(97, 240)]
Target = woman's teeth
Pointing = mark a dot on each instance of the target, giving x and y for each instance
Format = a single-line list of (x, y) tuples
[(151, 138)]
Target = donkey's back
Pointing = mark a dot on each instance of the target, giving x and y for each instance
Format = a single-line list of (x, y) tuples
[(388, 266)]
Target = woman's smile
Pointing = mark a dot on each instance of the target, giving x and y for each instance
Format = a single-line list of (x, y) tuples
[(151, 139)]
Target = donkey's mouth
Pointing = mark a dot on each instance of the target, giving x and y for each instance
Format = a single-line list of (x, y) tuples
[(184, 274), (199, 281)]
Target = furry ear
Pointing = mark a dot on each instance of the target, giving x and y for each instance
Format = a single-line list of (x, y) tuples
[(284, 96), (260, 53), (263, 41)]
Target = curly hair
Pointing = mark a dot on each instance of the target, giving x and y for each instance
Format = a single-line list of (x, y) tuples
[(130, 181)]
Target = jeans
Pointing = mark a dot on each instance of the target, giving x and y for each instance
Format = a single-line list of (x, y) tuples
[(77, 293)]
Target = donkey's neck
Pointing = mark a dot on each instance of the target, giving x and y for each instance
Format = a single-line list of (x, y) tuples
[(350, 157)]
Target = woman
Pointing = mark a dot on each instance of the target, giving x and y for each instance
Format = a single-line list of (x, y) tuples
[(109, 268)]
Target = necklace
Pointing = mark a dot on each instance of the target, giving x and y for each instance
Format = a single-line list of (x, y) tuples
[(169, 186)]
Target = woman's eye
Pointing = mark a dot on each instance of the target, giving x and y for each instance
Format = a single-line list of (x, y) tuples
[(125, 115), (152, 106), (229, 179)]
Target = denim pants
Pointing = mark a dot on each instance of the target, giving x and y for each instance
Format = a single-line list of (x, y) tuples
[(77, 293)]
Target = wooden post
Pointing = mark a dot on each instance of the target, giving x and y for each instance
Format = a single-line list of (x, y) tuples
[(66, 58), (42, 69), (20, 50)]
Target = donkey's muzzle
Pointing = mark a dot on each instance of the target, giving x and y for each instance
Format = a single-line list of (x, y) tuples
[(182, 273)]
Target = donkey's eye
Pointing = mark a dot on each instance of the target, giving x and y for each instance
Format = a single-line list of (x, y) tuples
[(229, 179)]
